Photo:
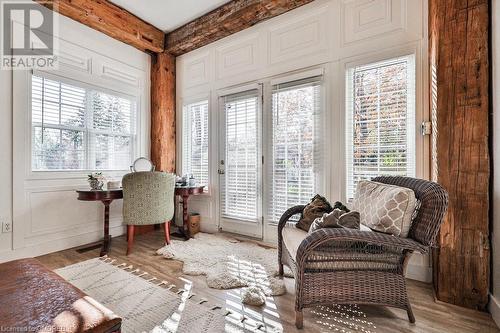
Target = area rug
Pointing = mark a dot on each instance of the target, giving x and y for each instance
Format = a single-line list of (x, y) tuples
[(228, 263), (148, 305)]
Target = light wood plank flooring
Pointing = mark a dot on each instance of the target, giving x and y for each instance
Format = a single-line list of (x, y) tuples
[(431, 317)]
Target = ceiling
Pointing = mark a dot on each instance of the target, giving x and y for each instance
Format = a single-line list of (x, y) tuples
[(168, 15)]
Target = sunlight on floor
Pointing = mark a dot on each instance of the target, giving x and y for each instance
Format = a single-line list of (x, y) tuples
[(343, 318), (171, 324), (254, 274)]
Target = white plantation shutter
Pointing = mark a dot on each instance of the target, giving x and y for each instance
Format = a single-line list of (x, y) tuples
[(239, 193), (77, 128), (111, 133), (195, 141), (296, 144), (380, 120), (58, 125)]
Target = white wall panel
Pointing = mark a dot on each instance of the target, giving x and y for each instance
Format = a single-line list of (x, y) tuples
[(73, 57), (117, 72), (364, 19), (299, 38), (239, 56), (196, 70)]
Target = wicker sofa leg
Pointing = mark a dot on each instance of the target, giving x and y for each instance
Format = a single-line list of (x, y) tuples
[(299, 319), (409, 311)]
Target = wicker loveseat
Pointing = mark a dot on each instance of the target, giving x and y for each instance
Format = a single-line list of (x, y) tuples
[(346, 266)]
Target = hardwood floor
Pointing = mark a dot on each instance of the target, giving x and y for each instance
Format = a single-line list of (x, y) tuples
[(431, 317)]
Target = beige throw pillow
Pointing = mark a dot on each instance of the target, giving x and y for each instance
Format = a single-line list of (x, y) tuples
[(385, 208)]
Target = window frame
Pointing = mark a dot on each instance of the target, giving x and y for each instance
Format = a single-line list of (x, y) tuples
[(135, 128), (422, 142), (181, 118)]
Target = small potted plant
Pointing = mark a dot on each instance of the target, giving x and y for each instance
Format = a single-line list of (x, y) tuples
[(96, 181)]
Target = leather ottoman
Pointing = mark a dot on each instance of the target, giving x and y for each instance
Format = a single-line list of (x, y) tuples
[(35, 299)]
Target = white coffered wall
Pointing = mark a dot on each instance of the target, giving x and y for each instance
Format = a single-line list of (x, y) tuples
[(326, 34), (42, 206)]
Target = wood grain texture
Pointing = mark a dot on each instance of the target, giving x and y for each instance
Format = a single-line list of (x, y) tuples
[(226, 20), (458, 46), (163, 111), (112, 20), (431, 317)]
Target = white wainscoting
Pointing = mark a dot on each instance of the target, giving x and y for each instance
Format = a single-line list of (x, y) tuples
[(46, 214), (324, 34)]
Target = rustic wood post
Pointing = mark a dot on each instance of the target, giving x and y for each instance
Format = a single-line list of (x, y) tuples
[(163, 111), (459, 90)]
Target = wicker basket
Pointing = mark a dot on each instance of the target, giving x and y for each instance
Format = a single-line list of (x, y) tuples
[(194, 223)]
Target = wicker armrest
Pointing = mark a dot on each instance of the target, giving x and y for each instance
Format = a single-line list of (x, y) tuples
[(328, 235), (287, 215)]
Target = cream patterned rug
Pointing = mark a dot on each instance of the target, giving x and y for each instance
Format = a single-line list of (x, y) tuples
[(228, 263), (148, 305)]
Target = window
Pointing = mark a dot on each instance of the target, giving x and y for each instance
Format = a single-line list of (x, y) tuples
[(195, 141), (77, 128), (296, 107), (240, 184), (380, 120)]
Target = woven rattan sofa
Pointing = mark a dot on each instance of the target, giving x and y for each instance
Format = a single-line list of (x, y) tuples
[(346, 266)]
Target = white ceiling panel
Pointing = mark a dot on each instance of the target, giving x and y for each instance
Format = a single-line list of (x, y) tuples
[(168, 15)]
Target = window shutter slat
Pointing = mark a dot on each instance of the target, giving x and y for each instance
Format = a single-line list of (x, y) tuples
[(296, 145), (239, 192), (195, 141), (380, 121)]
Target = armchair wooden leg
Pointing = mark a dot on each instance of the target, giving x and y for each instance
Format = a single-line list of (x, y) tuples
[(299, 319), (130, 238), (167, 232)]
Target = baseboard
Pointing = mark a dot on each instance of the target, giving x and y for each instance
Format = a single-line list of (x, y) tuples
[(419, 273), (494, 308), (209, 228), (59, 245)]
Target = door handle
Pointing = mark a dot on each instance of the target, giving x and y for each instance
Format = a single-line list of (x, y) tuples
[(221, 172)]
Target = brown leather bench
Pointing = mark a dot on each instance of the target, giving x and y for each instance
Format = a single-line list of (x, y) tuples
[(35, 299)]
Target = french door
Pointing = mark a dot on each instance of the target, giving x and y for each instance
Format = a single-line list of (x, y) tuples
[(240, 162), (285, 134)]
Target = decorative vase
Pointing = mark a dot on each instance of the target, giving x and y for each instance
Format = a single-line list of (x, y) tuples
[(96, 184)]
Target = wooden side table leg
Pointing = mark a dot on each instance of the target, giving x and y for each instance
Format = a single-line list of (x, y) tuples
[(185, 218), (107, 238)]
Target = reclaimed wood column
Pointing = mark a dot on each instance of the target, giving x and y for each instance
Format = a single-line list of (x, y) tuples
[(459, 89), (163, 111)]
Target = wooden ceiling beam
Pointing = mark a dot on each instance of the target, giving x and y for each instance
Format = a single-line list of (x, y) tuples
[(226, 20), (111, 20)]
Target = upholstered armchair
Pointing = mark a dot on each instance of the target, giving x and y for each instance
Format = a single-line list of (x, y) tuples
[(148, 198), (347, 266)]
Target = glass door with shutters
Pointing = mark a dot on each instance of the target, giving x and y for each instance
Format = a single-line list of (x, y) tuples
[(270, 160), (295, 151), (240, 163)]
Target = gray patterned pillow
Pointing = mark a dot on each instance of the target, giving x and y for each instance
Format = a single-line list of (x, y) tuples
[(385, 208), (336, 219)]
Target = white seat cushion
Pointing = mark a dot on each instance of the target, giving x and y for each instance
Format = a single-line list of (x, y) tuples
[(292, 237)]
